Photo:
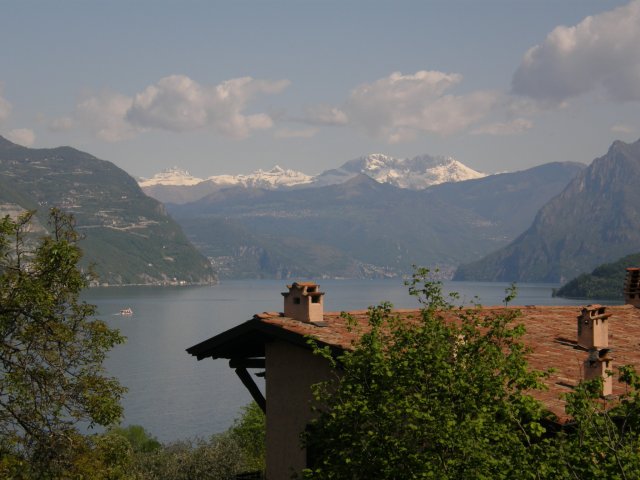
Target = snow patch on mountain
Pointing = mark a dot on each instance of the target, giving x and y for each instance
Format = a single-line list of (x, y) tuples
[(275, 178), (270, 179), (170, 176), (415, 173)]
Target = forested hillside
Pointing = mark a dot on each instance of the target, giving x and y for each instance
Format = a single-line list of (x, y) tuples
[(128, 237)]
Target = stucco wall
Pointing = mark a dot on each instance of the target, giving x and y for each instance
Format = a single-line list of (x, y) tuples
[(291, 371)]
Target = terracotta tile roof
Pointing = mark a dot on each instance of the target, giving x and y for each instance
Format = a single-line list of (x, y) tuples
[(551, 333)]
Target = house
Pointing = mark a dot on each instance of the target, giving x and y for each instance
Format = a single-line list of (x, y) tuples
[(578, 343)]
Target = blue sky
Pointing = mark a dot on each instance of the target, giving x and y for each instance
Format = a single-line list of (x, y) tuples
[(221, 87)]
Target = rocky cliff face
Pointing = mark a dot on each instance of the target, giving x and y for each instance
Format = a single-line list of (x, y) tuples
[(596, 219)]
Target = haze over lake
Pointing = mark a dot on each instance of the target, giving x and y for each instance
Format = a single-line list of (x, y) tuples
[(173, 395)]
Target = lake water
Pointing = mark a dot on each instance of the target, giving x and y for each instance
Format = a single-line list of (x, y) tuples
[(173, 395)]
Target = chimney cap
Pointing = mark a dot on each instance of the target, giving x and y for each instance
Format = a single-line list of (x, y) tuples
[(307, 289), (594, 306), (303, 284), (599, 310)]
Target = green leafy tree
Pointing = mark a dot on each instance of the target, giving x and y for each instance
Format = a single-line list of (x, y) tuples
[(218, 458), (603, 439), (249, 431), (139, 439), (51, 352), (443, 395), (239, 450)]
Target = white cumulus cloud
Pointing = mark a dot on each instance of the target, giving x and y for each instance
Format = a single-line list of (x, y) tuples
[(398, 107), (105, 113), (601, 53), (175, 103), (178, 103), (513, 127), (325, 115), (22, 136)]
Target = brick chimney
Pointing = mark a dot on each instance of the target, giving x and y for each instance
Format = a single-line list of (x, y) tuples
[(632, 287), (303, 302), (598, 365), (593, 335), (593, 327)]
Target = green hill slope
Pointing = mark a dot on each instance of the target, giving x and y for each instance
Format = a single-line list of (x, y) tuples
[(128, 236), (604, 282)]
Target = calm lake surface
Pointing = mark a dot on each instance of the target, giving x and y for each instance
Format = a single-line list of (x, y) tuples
[(173, 395)]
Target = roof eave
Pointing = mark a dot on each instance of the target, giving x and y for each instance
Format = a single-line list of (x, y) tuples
[(256, 332)]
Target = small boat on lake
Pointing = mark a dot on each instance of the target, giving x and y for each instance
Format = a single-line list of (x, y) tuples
[(126, 312)]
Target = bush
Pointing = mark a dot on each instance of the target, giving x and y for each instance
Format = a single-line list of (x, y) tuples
[(240, 449), (219, 458)]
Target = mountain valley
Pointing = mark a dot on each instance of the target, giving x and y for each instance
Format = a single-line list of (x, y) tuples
[(363, 228)]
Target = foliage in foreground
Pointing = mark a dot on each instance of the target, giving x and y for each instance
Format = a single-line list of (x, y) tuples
[(604, 439), (430, 398), (219, 458), (51, 354), (240, 449), (449, 399), (51, 378), (131, 453)]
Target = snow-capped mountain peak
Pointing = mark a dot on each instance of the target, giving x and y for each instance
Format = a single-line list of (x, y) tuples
[(415, 173), (274, 178), (171, 176)]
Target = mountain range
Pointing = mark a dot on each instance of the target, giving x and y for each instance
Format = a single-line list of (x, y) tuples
[(128, 236), (373, 216), (594, 220), (175, 185), (363, 228)]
